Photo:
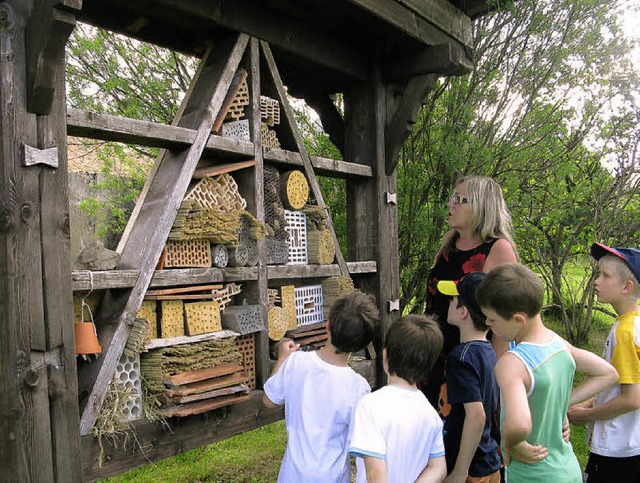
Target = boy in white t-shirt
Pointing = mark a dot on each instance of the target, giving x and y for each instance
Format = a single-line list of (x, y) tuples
[(320, 391), (395, 430)]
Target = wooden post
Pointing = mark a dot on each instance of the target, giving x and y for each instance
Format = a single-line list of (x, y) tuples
[(39, 438), (372, 216)]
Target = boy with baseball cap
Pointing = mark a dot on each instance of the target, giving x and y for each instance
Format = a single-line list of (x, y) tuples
[(614, 414), (470, 427)]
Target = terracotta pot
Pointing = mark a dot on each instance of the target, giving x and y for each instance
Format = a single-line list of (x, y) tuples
[(86, 339)]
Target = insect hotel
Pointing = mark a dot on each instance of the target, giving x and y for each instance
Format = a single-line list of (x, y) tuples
[(230, 246)]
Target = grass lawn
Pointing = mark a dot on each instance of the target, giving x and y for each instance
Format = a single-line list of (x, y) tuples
[(253, 456)]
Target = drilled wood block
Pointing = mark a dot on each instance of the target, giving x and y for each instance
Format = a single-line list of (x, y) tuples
[(238, 257), (220, 256), (288, 296), (277, 322), (202, 317), (277, 251), (188, 253), (295, 190), (246, 346), (172, 318), (148, 310)]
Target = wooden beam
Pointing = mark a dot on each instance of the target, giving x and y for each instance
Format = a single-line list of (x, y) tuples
[(404, 117), (157, 214), (155, 441), (122, 129), (48, 29), (444, 59), (435, 22), (306, 162)]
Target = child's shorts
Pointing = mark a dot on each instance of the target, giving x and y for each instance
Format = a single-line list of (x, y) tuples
[(492, 478), (605, 469)]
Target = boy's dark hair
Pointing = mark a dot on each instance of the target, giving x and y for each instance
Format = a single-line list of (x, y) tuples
[(478, 318), (511, 288), (413, 345), (353, 319)]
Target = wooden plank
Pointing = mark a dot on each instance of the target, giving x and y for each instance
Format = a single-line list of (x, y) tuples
[(444, 59), (445, 16), (303, 329), (110, 279), (207, 385), (154, 441), (323, 166), (188, 339), (306, 162), (213, 394), (311, 339), (190, 377), (239, 77), (151, 228), (204, 406), (401, 124), (218, 169), (200, 296), (175, 290)]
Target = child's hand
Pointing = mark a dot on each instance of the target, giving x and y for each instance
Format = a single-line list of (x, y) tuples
[(286, 347), (453, 477), (579, 414), (526, 453), (566, 430)]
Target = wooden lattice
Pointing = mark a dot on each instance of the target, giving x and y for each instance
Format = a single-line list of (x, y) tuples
[(277, 322), (202, 317), (320, 247), (172, 318), (295, 190), (148, 311), (288, 297), (236, 111), (269, 110), (187, 253)]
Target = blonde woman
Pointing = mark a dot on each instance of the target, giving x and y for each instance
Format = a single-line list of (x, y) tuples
[(479, 239)]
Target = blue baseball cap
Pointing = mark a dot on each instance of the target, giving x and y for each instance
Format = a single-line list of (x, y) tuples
[(631, 256)]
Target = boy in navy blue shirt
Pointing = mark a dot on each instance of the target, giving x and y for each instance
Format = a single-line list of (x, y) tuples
[(471, 450)]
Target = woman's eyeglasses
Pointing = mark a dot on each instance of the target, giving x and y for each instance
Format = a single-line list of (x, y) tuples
[(459, 200)]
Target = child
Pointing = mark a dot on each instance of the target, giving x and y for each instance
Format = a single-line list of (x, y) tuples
[(614, 415), (471, 451), (535, 377), (320, 390), (395, 429)]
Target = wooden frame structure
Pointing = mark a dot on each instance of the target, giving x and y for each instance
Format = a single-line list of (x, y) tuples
[(382, 55)]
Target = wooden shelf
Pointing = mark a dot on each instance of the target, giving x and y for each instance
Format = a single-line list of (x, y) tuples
[(111, 279)]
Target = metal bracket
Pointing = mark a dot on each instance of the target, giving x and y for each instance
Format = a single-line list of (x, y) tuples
[(32, 156), (391, 198), (394, 305)]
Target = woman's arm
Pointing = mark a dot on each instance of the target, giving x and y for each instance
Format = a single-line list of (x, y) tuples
[(501, 252)]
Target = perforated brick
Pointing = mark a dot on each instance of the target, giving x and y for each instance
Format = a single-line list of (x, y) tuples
[(188, 253), (241, 99), (297, 229), (225, 295), (219, 192), (269, 110), (309, 307), (128, 374), (245, 344)]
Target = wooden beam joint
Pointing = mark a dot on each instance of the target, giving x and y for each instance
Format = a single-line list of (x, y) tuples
[(48, 29)]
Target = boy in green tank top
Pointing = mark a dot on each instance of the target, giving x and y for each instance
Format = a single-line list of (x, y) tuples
[(535, 378)]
